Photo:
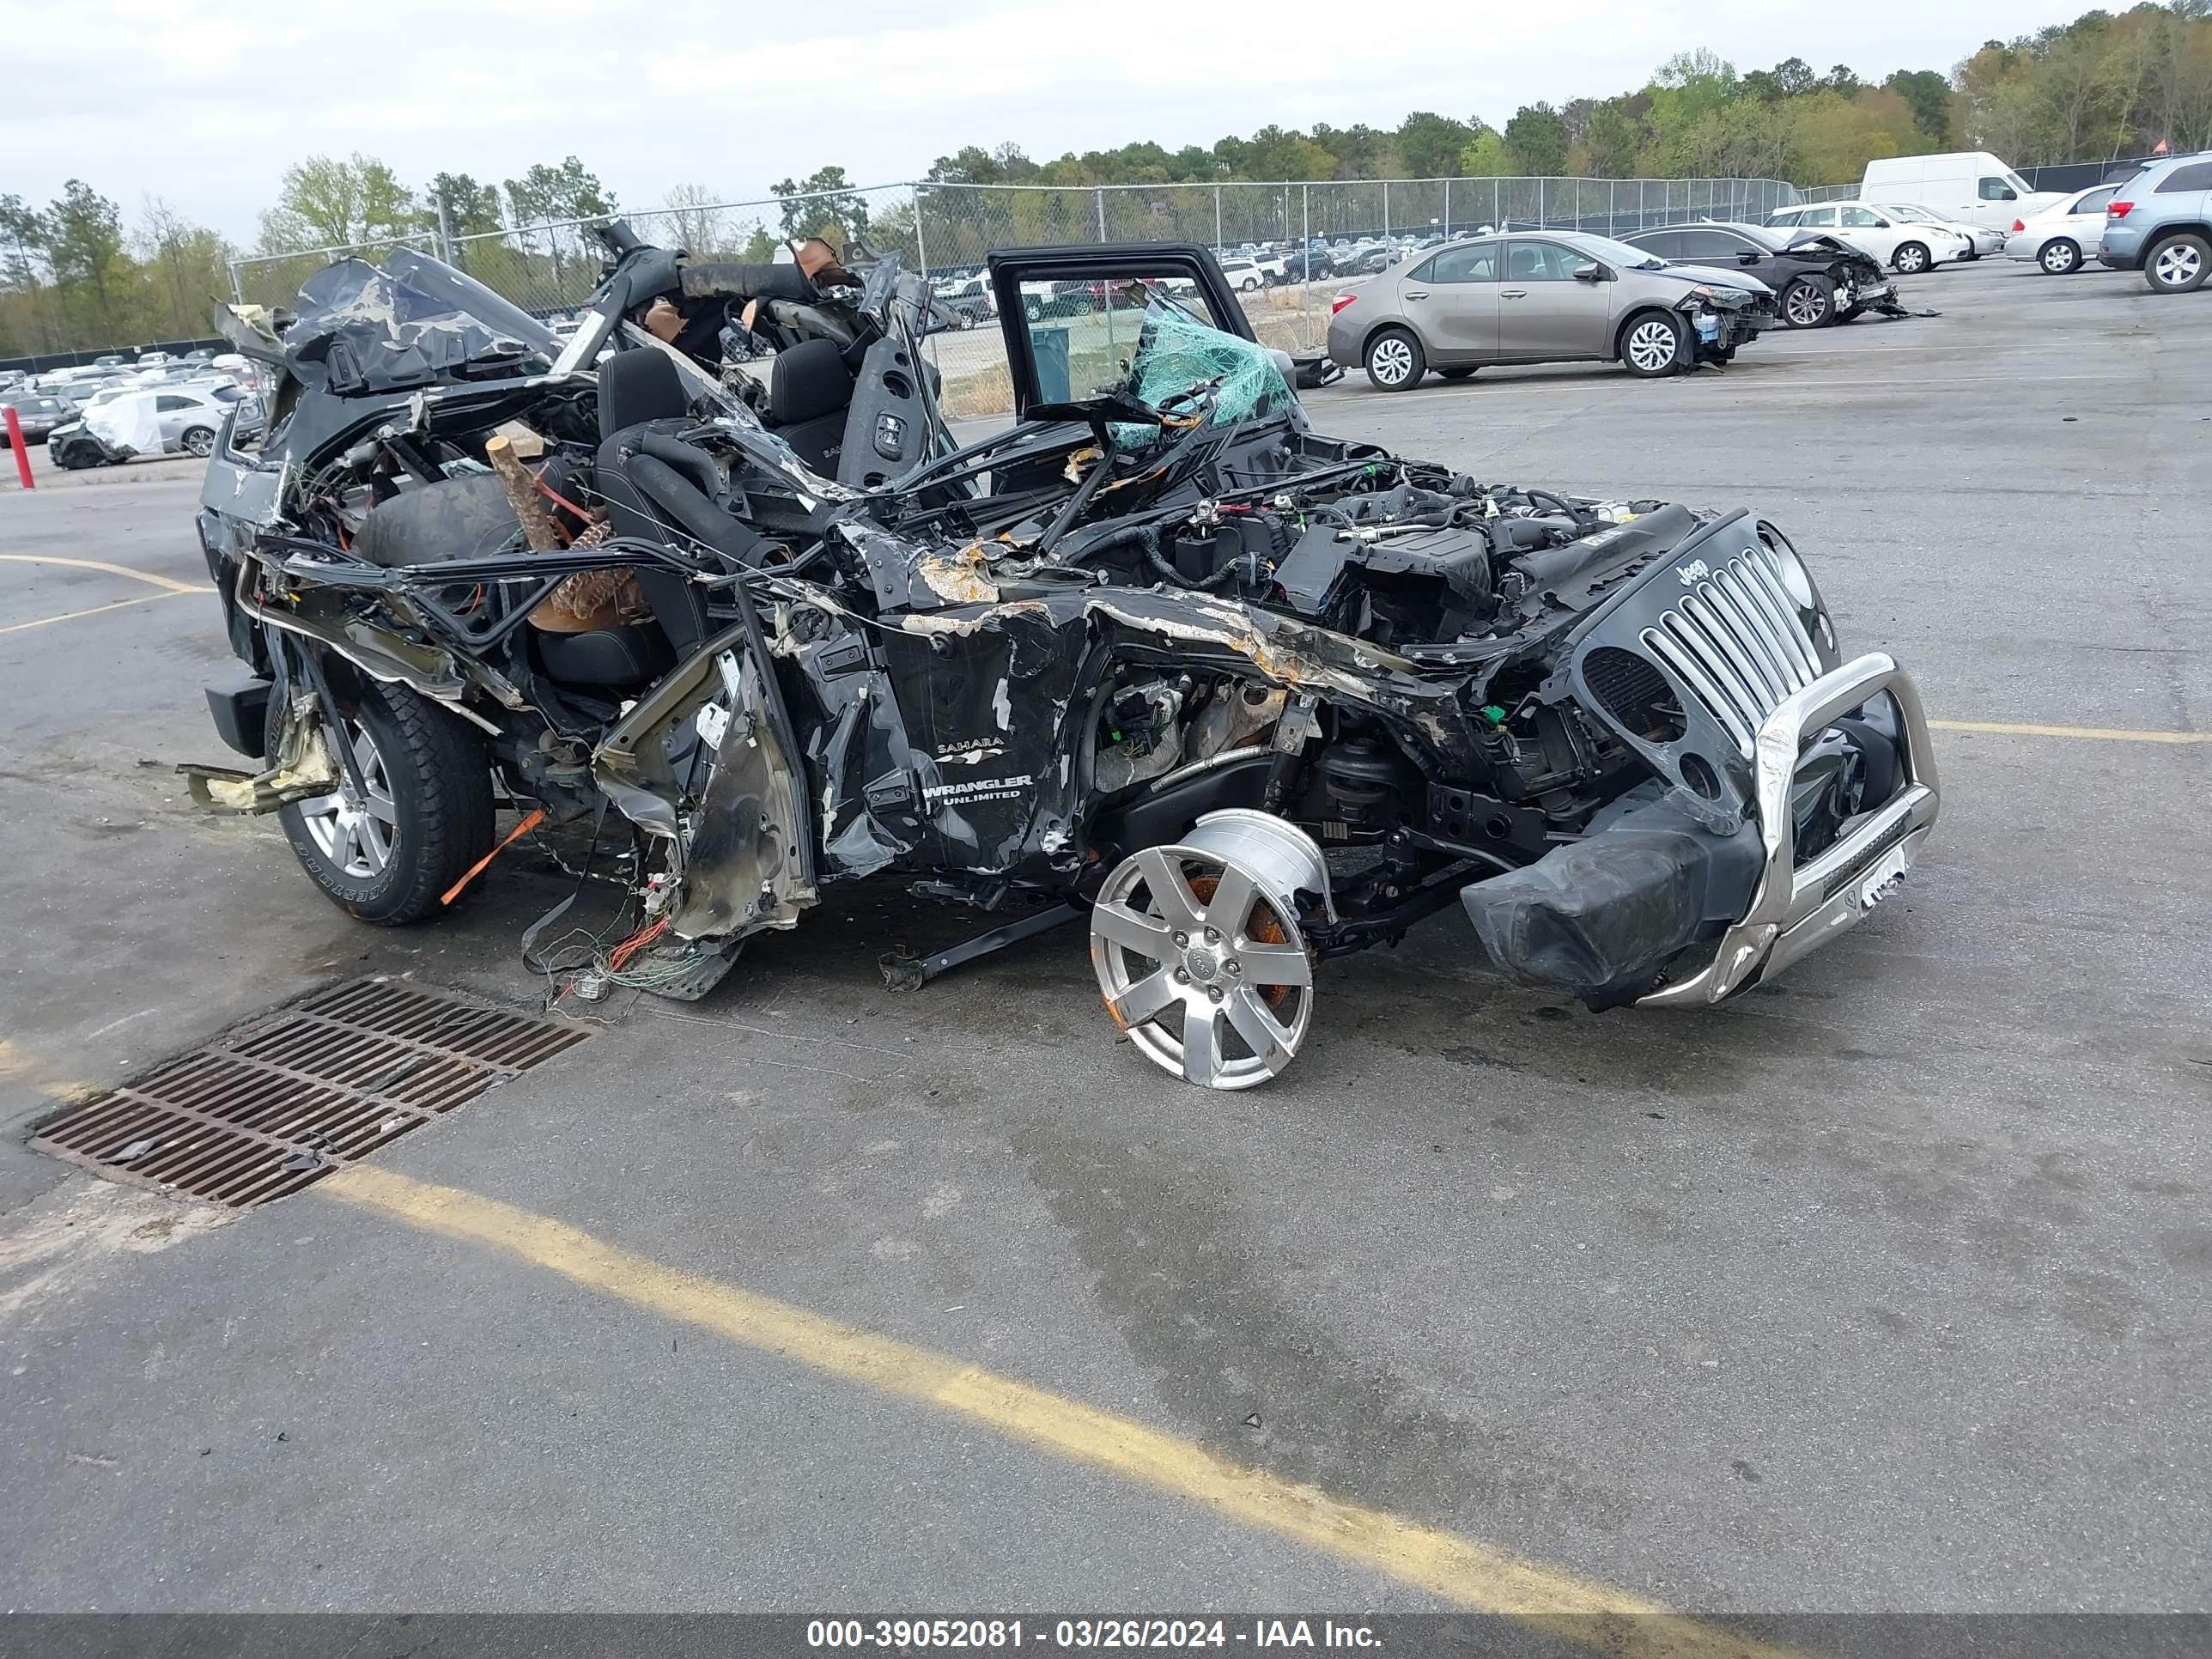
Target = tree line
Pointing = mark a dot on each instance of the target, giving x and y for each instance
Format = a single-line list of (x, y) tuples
[(73, 274), (2102, 86)]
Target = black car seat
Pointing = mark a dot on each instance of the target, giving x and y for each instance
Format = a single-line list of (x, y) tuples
[(810, 391), (639, 392)]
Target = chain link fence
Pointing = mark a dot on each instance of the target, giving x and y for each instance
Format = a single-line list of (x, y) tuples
[(1308, 241)]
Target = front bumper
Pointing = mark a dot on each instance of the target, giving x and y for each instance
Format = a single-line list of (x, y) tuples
[(1716, 330), (1656, 906), (1798, 909), (1875, 293)]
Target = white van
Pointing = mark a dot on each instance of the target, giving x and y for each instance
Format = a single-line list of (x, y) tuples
[(1970, 184)]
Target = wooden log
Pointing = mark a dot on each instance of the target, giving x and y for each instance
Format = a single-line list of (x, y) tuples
[(521, 487)]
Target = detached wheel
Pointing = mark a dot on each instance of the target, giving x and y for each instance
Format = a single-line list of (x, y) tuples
[(1653, 344), (2178, 264), (1198, 951), (199, 441), (1465, 371), (1395, 362), (2059, 256), (1911, 258), (388, 852), (1808, 302)]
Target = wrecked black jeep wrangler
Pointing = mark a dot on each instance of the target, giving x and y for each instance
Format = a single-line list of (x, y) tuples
[(1156, 657)]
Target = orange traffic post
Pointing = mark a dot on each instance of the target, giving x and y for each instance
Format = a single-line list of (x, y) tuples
[(15, 442)]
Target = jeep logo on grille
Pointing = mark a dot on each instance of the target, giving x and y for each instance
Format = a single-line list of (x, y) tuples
[(1696, 571)]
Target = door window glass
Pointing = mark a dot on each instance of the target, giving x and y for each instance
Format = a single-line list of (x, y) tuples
[(1709, 245), (1476, 263), (2198, 175), (1544, 262), (2097, 200), (1996, 189)]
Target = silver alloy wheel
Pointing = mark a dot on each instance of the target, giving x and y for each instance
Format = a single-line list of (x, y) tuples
[(2178, 264), (353, 832), (1392, 359), (2060, 257), (199, 442), (1912, 258), (1651, 345), (1200, 958), (1807, 307)]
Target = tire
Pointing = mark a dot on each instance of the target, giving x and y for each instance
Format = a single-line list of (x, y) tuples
[(1465, 371), (2059, 256), (1653, 344), (1911, 258), (1033, 310), (2178, 264), (436, 782), (1248, 286), (199, 441), (1394, 360), (1808, 302)]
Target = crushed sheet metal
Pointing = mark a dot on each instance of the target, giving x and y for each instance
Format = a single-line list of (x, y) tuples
[(278, 1103)]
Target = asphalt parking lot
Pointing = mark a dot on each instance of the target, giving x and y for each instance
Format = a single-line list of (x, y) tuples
[(1884, 1288)]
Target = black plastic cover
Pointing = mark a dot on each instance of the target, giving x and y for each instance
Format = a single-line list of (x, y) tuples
[(1599, 916)]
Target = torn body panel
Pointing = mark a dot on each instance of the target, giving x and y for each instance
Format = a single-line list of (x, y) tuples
[(700, 766)]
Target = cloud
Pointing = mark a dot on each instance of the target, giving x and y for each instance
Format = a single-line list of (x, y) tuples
[(206, 105)]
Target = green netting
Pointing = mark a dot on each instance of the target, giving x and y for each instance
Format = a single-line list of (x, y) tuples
[(1186, 367)]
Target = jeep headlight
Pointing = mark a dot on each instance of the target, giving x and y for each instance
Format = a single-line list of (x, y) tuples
[(1797, 581)]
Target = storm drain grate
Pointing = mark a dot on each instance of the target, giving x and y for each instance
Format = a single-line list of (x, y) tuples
[(278, 1102)]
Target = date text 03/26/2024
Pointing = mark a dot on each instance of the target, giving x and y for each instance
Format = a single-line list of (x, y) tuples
[(988, 1634)]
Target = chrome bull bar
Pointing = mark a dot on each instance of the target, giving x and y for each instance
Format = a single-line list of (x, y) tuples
[(1797, 910)]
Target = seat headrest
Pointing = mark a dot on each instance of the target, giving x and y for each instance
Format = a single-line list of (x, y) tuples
[(636, 387), (806, 381)]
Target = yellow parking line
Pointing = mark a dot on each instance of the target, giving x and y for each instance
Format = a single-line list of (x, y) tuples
[(71, 616), (1458, 1570), (2113, 734), (173, 585)]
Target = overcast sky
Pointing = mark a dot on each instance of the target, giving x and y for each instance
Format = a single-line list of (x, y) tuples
[(206, 104)]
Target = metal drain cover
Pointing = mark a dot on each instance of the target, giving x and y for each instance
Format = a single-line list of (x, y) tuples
[(278, 1102)]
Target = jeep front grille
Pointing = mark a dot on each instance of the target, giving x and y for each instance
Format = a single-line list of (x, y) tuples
[(1735, 640)]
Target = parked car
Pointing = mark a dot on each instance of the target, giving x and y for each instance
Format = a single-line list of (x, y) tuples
[(37, 415), (2160, 223), (1967, 184), (1817, 279), (1244, 275), (137, 423), (2061, 238), (1543, 296), (1904, 247), (968, 299), (1981, 240)]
